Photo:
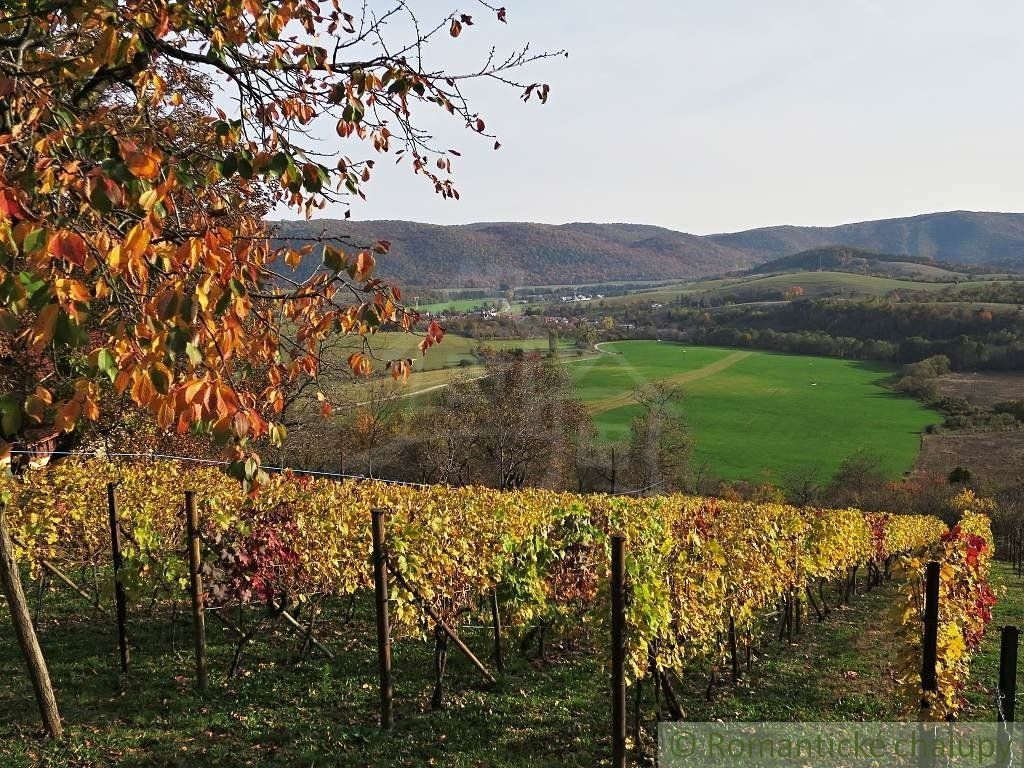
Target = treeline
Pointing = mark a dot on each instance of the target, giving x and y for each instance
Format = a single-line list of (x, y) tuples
[(875, 329)]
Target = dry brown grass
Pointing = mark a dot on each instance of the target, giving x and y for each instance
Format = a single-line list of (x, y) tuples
[(994, 458), (984, 388)]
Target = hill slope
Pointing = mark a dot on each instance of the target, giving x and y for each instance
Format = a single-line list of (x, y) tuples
[(841, 258), (514, 254), (495, 255), (961, 237)]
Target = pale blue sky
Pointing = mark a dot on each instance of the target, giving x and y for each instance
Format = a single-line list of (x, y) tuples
[(724, 115)]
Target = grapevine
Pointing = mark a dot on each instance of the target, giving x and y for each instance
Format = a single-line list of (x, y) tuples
[(694, 564)]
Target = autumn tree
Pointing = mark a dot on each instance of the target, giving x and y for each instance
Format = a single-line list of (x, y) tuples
[(130, 249), (518, 424), (659, 443)]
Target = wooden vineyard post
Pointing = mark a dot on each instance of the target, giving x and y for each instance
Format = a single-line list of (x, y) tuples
[(10, 577), (929, 646), (499, 660), (198, 608), (1007, 693), (733, 651), (120, 602), (618, 588), (1008, 674), (380, 592)]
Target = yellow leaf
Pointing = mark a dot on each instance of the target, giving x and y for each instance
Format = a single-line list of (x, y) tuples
[(137, 242), (46, 323)]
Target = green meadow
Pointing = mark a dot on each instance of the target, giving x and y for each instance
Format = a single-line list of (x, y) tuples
[(759, 415)]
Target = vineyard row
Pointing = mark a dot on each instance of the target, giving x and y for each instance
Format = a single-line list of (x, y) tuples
[(698, 571)]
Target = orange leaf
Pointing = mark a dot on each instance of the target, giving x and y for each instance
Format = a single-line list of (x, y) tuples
[(68, 246), (364, 266), (46, 323), (143, 163)]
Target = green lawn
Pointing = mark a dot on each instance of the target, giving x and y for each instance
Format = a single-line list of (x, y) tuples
[(464, 305), (758, 414)]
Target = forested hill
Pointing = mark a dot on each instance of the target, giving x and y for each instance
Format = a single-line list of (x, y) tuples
[(516, 254), (958, 237)]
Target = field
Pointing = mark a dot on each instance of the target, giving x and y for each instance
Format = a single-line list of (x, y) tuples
[(757, 415), (983, 388), (453, 352), (814, 284), (464, 305)]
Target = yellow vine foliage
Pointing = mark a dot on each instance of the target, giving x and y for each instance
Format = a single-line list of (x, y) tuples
[(966, 599), (692, 563)]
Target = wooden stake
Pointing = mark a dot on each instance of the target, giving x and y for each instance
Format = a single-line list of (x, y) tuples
[(30, 649), (380, 591), (499, 660), (198, 607), (120, 602), (62, 577), (442, 624), (733, 651), (618, 589), (1008, 674), (929, 653)]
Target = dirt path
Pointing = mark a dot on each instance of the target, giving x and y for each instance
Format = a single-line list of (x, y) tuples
[(617, 401)]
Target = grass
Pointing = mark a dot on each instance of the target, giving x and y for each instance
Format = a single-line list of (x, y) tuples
[(464, 305), (815, 284), (454, 351), (285, 712), (756, 415)]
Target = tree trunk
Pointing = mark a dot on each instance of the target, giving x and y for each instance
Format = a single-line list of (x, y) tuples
[(27, 639)]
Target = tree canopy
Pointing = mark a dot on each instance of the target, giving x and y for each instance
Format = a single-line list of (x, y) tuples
[(141, 144)]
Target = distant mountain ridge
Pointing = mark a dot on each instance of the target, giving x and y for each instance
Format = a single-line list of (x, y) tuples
[(506, 254)]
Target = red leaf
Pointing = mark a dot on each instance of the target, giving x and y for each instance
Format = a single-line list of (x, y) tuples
[(10, 208), (68, 246)]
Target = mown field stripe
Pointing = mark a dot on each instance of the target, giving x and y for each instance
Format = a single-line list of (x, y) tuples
[(617, 401)]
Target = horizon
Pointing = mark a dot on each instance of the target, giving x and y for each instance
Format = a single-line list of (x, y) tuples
[(481, 222)]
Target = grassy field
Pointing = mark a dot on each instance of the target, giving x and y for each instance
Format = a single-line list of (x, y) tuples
[(815, 284), (464, 305), (285, 712), (453, 352), (757, 414)]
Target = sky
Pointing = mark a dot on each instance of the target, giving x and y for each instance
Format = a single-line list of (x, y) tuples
[(722, 115)]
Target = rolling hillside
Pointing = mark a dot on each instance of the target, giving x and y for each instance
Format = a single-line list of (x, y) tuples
[(499, 255), (840, 258), (512, 254), (961, 237)]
